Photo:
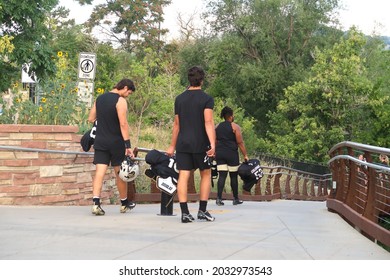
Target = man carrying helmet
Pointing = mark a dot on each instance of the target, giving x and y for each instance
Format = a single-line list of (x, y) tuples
[(112, 141)]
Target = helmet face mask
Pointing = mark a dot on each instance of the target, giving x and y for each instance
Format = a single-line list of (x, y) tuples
[(129, 170)]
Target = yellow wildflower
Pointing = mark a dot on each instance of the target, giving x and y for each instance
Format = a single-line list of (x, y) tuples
[(60, 54)]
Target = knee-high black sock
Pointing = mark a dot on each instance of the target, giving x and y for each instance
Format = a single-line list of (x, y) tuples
[(234, 183), (221, 182)]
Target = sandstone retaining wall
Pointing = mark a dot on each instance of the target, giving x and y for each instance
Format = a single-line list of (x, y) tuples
[(39, 178)]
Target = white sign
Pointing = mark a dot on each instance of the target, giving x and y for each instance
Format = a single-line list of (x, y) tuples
[(87, 66), (26, 78), (85, 92)]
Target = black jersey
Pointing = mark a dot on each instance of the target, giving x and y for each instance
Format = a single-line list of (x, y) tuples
[(108, 135), (190, 106), (161, 164), (226, 139), (250, 172)]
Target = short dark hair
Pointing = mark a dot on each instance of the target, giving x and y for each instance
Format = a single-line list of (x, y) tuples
[(195, 76), (125, 82), (226, 112)]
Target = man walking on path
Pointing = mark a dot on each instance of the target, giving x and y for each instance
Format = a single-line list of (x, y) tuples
[(112, 142), (193, 137)]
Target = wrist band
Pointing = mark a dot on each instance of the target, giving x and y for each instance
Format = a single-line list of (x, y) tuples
[(127, 144)]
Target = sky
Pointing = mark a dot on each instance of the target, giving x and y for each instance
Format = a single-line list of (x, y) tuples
[(367, 15)]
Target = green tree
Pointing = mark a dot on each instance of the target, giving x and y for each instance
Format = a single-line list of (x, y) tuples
[(133, 24), (156, 88), (327, 107), (262, 47), (25, 21), (376, 132)]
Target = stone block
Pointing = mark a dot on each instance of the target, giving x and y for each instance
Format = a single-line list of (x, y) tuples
[(6, 155), (42, 190), (7, 201), (21, 136), (51, 171), (26, 155), (70, 191)]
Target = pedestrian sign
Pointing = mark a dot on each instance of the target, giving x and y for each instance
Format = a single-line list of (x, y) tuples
[(87, 66)]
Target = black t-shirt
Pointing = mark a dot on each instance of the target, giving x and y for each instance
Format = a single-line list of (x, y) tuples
[(190, 106), (108, 134), (226, 139)]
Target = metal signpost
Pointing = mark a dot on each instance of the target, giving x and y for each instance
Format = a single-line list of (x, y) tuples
[(87, 70)]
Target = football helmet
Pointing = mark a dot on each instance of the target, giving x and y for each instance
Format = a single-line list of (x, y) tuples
[(129, 170)]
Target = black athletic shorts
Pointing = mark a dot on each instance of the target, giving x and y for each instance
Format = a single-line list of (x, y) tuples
[(189, 161), (113, 156), (227, 161)]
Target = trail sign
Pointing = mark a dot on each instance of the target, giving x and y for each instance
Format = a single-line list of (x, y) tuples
[(87, 66)]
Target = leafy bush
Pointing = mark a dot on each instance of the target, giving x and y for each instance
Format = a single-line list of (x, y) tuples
[(56, 101)]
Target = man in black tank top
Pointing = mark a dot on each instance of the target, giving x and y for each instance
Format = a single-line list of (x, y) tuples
[(112, 142), (193, 137), (229, 139)]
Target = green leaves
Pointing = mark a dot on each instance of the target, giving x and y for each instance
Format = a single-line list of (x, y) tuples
[(326, 108), (133, 24), (25, 21)]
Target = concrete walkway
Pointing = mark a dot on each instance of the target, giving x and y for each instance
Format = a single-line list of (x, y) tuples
[(277, 230)]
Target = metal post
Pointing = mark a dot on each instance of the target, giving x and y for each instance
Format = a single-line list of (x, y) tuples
[(166, 207)]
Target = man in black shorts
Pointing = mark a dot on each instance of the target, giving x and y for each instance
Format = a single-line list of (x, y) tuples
[(193, 137), (112, 142)]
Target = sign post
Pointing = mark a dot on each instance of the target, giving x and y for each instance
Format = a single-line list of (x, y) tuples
[(87, 70), (87, 66)]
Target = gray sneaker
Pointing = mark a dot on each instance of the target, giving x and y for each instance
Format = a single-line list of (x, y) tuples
[(219, 202), (205, 216), (130, 205), (97, 210), (237, 201), (187, 218)]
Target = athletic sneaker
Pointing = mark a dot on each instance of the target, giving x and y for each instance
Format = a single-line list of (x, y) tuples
[(187, 218), (97, 210), (205, 216), (130, 205), (219, 202), (237, 201)]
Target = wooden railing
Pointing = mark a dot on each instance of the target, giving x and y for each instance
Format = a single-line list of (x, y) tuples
[(278, 182), (361, 188)]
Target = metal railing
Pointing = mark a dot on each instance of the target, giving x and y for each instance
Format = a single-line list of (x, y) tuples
[(361, 188), (279, 182)]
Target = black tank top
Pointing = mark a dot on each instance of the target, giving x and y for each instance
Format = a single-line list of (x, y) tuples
[(108, 132), (226, 139)]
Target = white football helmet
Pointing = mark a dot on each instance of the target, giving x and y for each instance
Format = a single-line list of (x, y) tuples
[(129, 170)]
